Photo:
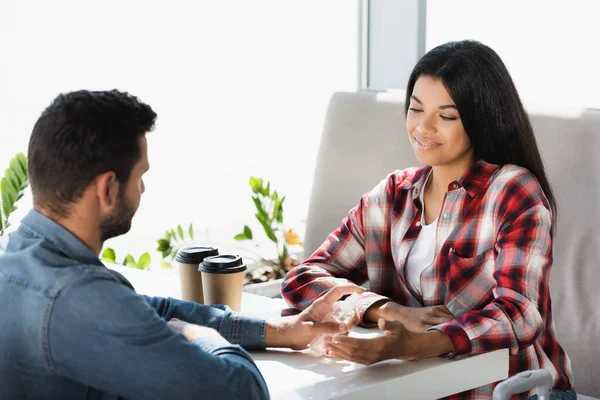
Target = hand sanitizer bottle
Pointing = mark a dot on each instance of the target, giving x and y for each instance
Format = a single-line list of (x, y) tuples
[(343, 312)]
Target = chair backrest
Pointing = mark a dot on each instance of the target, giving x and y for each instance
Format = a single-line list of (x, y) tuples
[(364, 139)]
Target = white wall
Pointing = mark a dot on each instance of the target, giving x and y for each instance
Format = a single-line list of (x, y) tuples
[(551, 47), (241, 88)]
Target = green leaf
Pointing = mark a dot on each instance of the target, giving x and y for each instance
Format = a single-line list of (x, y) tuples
[(6, 202), (144, 261), (163, 244), (15, 166), (25, 184), (268, 229), (13, 179), (241, 236), (256, 184), (173, 235), (22, 159), (129, 261), (267, 191), (279, 208), (12, 192), (259, 206), (109, 254), (165, 253), (271, 235), (166, 265), (175, 251), (247, 231), (275, 196), (191, 231), (263, 219), (180, 231)]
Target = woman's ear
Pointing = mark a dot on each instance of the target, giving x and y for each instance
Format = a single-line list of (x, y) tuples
[(107, 190)]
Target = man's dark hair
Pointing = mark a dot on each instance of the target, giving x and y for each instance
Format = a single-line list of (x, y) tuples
[(79, 136)]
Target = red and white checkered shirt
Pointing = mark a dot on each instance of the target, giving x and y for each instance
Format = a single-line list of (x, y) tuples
[(491, 268)]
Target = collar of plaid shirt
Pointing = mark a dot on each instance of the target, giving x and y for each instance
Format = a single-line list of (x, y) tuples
[(472, 181)]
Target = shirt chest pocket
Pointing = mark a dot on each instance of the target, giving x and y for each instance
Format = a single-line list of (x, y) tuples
[(470, 281)]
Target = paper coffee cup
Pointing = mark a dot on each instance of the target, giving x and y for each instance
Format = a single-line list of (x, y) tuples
[(190, 278), (222, 280)]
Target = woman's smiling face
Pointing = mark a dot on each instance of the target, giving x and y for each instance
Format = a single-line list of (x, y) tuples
[(434, 127)]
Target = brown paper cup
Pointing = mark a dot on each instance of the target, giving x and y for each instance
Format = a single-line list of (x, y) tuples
[(188, 260), (222, 280), (223, 289), (191, 283)]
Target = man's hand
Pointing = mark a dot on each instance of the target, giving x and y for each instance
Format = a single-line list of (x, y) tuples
[(396, 342), (416, 319), (298, 331), (191, 331)]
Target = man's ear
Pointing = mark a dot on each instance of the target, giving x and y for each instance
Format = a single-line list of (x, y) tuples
[(107, 190)]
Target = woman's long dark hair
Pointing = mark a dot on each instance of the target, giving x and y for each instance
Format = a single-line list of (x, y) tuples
[(489, 105)]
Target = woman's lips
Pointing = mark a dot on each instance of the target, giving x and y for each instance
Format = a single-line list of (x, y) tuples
[(426, 144)]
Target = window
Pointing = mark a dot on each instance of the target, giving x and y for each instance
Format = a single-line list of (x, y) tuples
[(241, 88), (549, 47)]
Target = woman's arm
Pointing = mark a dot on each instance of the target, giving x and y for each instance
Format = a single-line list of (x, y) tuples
[(341, 257)]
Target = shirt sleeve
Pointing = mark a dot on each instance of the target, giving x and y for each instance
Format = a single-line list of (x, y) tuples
[(102, 334), (341, 258), (249, 332), (523, 257)]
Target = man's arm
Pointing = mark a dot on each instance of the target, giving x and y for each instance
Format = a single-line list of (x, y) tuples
[(102, 334), (246, 331)]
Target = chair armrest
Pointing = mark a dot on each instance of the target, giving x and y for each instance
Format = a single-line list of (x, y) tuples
[(540, 379)]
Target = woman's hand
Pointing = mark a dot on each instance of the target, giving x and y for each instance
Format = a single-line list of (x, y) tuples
[(396, 342), (416, 319), (298, 331)]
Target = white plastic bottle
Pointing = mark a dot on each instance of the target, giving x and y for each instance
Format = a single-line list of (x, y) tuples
[(343, 312)]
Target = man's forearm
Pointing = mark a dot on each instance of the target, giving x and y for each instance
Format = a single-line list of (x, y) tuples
[(246, 331)]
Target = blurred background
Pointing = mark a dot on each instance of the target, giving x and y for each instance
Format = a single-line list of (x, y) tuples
[(241, 87)]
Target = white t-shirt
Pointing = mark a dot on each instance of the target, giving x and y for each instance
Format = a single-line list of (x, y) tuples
[(423, 251)]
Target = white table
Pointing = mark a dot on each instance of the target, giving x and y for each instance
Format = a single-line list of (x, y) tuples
[(293, 375)]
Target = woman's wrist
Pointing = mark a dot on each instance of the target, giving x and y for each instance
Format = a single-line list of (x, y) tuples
[(374, 312), (394, 311), (432, 343)]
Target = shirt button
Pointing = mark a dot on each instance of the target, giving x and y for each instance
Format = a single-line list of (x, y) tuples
[(418, 223), (455, 186), (446, 215)]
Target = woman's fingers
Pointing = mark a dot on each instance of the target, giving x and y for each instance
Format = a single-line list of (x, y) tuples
[(341, 290)]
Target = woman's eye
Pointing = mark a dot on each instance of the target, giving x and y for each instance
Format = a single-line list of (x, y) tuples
[(414, 109), (448, 118)]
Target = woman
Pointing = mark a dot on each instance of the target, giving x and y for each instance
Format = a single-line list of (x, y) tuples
[(457, 253)]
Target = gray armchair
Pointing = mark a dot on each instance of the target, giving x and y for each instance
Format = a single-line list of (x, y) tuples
[(364, 139)]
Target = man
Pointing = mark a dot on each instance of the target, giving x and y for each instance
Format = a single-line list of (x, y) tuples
[(73, 329)]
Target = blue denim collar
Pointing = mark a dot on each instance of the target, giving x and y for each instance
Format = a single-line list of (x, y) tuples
[(63, 240)]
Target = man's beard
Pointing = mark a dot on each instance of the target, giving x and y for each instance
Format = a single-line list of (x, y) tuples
[(119, 222)]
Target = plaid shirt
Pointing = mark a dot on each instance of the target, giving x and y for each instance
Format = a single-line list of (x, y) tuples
[(491, 268)]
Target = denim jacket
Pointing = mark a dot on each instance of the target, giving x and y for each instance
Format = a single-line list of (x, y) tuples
[(73, 329)]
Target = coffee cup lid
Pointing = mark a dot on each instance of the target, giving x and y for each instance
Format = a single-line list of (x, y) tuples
[(195, 254), (222, 264)]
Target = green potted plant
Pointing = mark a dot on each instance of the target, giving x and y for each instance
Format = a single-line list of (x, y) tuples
[(12, 188), (269, 213)]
